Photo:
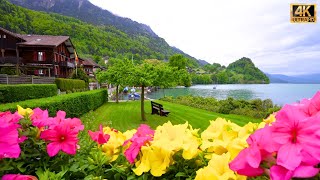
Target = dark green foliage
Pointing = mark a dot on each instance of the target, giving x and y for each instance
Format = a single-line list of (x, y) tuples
[(75, 104), (89, 40), (201, 79), (15, 93), (255, 108), (70, 84), (80, 74), (8, 70)]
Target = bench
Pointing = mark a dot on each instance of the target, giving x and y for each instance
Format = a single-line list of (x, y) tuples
[(157, 108)]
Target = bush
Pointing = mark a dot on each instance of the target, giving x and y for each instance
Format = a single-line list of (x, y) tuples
[(70, 84), (80, 74), (255, 108), (75, 104), (21, 92)]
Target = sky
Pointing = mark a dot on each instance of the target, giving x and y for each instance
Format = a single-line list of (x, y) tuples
[(226, 30)]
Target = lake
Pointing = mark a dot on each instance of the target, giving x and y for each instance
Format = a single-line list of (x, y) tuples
[(279, 93)]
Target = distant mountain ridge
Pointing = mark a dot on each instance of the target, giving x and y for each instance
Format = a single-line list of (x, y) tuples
[(298, 79), (87, 12)]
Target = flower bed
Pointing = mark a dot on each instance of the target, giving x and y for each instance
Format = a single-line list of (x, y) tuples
[(280, 147)]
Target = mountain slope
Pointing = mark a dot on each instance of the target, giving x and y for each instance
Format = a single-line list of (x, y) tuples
[(247, 72), (298, 79), (87, 12)]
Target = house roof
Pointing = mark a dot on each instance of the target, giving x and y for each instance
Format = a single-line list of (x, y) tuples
[(90, 62), (42, 40), (10, 33)]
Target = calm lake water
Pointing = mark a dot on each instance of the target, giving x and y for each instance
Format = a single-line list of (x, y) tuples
[(279, 93)]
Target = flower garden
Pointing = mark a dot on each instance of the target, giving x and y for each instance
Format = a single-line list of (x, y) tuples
[(34, 145)]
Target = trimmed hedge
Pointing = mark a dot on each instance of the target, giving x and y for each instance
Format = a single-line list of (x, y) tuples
[(75, 104), (70, 84), (22, 92)]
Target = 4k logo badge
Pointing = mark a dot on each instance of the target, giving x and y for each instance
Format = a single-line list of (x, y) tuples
[(303, 13)]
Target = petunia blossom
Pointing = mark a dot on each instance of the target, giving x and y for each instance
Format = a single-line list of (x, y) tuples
[(99, 136), (61, 138), (297, 137), (40, 118), (9, 141), (143, 135), (18, 177)]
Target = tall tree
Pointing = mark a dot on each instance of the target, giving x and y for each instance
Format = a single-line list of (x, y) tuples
[(143, 76), (119, 73)]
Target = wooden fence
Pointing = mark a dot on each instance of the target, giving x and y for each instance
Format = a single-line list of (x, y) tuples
[(9, 79)]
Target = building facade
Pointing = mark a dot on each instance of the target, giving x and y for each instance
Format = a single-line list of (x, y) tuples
[(41, 55)]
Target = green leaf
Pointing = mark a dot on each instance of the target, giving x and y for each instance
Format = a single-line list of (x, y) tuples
[(181, 174)]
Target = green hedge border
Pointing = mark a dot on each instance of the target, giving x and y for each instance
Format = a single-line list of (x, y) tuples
[(22, 92), (70, 84), (75, 104)]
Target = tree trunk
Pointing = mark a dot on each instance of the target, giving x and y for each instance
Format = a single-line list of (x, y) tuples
[(143, 117), (117, 94)]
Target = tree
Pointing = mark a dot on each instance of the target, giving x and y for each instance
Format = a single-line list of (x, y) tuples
[(119, 73), (143, 76), (178, 61)]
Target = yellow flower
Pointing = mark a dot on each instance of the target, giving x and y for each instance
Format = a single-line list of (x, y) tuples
[(218, 168), (270, 119), (170, 136), (155, 159), (143, 165), (160, 159), (177, 137), (24, 112), (113, 146)]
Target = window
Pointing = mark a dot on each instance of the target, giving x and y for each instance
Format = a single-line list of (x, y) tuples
[(40, 71), (40, 56), (4, 36)]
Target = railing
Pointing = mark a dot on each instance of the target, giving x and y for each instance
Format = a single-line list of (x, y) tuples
[(9, 59), (67, 64), (10, 79)]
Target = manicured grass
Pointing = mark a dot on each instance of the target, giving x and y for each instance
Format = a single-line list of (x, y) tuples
[(126, 115)]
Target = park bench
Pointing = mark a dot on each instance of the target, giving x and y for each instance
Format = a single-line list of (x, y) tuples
[(157, 108)]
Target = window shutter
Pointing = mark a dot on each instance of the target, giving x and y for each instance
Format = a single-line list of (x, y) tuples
[(35, 55), (44, 56), (35, 72)]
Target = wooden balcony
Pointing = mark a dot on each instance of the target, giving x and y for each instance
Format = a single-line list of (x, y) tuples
[(67, 64), (9, 60)]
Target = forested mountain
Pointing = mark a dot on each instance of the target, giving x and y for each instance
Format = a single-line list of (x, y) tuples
[(242, 71), (89, 39), (295, 79)]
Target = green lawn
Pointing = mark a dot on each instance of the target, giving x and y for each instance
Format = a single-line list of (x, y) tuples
[(126, 115)]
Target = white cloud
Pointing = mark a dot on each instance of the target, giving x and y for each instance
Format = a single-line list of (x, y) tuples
[(224, 31)]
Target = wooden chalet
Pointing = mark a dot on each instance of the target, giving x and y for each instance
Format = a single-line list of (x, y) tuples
[(89, 66), (42, 55)]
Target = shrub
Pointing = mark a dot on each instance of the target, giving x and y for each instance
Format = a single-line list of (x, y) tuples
[(21, 92), (74, 104), (80, 74), (70, 84)]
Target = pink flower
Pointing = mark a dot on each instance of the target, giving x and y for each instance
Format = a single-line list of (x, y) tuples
[(99, 136), (297, 137), (280, 173), (61, 137), (260, 149), (9, 141), (8, 117), (73, 123), (40, 118), (143, 135), (18, 177)]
